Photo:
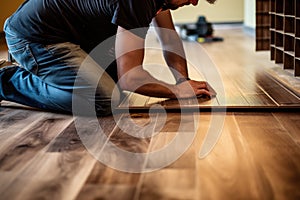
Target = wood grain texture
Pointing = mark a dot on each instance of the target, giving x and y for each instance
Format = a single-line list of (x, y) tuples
[(22, 147), (175, 180), (72, 163), (107, 183), (291, 122), (229, 171), (132, 133), (277, 91), (274, 151)]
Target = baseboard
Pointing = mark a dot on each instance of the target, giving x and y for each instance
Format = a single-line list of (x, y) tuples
[(215, 23), (249, 31)]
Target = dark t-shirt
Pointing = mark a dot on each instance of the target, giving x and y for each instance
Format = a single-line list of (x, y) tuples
[(83, 22)]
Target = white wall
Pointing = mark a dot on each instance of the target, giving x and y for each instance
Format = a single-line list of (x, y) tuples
[(221, 11), (250, 7)]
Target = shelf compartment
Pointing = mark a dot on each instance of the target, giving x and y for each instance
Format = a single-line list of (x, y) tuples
[(272, 18), (272, 35), (289, 24), (279, 39), (288, 61), (272, 5), (279, 20), (297, 47), (289, 43), (272, 52), (297, 8), (278, 55), (297, 28), (289, 7), (279, 6), (297, 67)]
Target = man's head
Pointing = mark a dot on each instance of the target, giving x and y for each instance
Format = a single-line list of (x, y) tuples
[(174, 4)]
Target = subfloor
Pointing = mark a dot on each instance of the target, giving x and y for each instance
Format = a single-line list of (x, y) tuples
[(242, 144)]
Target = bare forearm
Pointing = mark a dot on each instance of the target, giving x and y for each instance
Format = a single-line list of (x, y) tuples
[(172, 45), (140, 81), (177, 63)]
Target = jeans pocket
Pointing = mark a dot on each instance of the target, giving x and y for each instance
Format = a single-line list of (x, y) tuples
[(25, 58), (32, 61)]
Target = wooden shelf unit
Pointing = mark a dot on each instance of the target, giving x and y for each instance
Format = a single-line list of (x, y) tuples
[(263, 22), (282, 38)]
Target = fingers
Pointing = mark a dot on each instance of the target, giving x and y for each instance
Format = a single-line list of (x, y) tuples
[(203, 88), (211, 90), (203, 92), (193, 88)]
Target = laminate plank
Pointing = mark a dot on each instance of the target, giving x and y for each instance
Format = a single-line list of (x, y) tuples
[(190, 103), (22, 147), (9, 104), (246, 83), (279, 93), (233, 96), (173, 140), (15, 117), (286, 78), (127, 146), (132, 134), (255, 100), (107, 183), (175, 122), (4, 110), (175, 179), (182, 158), (169, 184), (152, 101), (291, 122), (15, 124), (36, 175), (67, 160), (107, 192), (229, 170), (274, 151), (251, 91), (135, 101)]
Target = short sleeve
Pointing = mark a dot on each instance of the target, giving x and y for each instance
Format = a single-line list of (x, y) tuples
[(134, 15)]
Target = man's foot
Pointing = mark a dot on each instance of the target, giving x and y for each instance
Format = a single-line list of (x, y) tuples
[(4, 63)]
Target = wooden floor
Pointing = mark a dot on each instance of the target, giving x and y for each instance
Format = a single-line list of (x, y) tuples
[(248, 151)]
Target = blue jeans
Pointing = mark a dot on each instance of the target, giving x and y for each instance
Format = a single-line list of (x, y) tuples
[(48, 77)]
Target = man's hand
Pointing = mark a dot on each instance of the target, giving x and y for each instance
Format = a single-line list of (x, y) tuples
[(193, 88)]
